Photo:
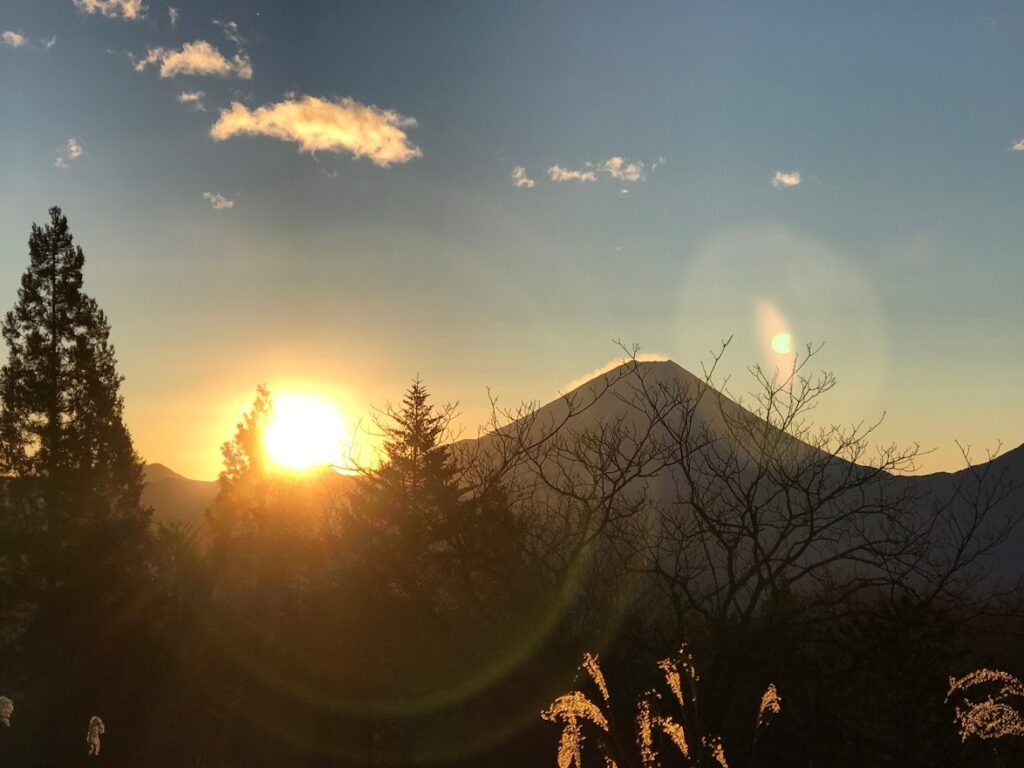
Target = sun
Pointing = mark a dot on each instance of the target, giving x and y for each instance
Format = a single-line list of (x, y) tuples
[(303, 433)]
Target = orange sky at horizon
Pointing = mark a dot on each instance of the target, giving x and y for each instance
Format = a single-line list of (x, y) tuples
[(187, 435)]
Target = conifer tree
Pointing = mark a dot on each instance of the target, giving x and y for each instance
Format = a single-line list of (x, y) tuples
[(62, 434), (74, 521), (418, 471)]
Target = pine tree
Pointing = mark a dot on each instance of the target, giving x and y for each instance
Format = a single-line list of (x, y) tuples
[(62, 432), (243, 481), (418, 471), (74, 521)]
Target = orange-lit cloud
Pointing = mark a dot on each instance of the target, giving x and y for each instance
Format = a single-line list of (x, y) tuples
[(193, 99), (127, 9), (618, 168), (217, 201), (786, 179), (520, 179), (317, 124), (196, 58), (17, 40), (558, 173), (13, 39)]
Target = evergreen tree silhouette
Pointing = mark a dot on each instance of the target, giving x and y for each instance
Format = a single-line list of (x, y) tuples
[(74, 518), (418, 473)]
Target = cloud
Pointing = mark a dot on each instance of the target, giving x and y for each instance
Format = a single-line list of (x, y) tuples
[(317, 124), (196, 58), (172, 14), (194, 99), (1018, 146), (610, 366), (16, 40), (520, 179), (13, 39), (786, 179), (217, 201), (69, 152), (618, 168), (128, 9), (231, 31), (558, 173)]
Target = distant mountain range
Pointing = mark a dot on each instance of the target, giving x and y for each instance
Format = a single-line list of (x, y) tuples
[(177, 498)]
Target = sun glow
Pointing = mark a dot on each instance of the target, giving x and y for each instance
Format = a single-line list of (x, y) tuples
[(303, 433)]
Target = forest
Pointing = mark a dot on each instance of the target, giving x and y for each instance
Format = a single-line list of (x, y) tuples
[(647, 572)]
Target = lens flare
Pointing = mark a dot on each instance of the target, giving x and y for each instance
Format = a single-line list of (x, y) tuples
[(776, 338), (782, 342)]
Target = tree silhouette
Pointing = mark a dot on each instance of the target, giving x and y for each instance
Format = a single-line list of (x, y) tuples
[(74, 522)]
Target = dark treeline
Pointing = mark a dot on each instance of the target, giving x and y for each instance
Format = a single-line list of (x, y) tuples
[(426, 610)]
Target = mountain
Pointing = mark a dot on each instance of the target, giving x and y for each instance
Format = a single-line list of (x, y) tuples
[(582, 444), (176, 498), (611, 399)]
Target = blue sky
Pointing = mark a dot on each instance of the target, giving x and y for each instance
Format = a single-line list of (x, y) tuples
[(350, 269)]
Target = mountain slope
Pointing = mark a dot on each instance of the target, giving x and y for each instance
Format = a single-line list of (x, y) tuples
[(175, 498)]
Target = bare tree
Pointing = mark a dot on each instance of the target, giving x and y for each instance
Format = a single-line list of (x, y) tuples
[(732, 519)]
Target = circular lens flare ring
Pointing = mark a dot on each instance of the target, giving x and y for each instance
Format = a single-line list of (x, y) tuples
[(303, 433)]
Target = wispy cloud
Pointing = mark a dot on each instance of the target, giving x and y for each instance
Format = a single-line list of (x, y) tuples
[(786, 179), (317, 124), (520, 179), (172, 14), (615, 167), (217, 201), (193, 99), (585, 174), (68, 153), (230, 29), (127, 9), (196, 58), (619, 168), (1018, 146), (13, 39)]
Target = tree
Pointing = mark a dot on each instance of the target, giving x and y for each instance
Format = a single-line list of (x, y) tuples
[(265, 568), (742, 528), (74, 523), (429, 578)]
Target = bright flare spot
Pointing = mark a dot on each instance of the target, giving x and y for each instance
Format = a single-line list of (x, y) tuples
[(303, 433), (782, 343)]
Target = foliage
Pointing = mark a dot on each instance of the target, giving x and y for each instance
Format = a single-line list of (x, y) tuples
[(76, 537), (423, 611), (684, 733)]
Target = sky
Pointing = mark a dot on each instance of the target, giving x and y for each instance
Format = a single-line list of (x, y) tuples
[(335, 197)]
